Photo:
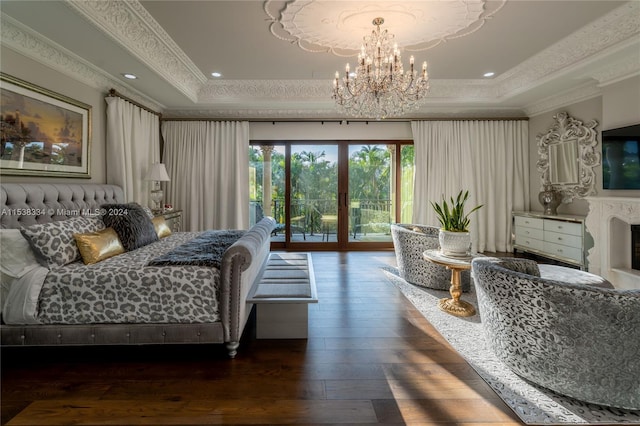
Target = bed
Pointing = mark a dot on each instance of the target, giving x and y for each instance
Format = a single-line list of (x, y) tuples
[(132, 298)]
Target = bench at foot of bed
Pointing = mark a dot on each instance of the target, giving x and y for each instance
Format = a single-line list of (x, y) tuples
[(282, 296)]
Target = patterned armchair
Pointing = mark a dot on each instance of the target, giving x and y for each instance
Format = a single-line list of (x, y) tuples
[(409, 242), (560, 331)]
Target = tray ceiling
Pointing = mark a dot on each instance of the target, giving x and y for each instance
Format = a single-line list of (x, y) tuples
[(278, 58)]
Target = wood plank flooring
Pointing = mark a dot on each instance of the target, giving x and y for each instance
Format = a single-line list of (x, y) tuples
[(371, 358)]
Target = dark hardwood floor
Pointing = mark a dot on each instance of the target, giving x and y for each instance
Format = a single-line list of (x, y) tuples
[(371, 358)]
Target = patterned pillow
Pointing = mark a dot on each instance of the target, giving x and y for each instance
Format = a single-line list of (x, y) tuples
[(132, 224), (53, 242)]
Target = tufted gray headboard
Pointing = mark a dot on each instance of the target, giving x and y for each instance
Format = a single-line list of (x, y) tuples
[(24, 204)]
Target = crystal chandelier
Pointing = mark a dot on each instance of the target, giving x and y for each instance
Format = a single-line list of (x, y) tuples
[(380, 88)]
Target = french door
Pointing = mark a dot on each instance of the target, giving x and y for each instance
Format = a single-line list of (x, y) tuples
[(331, 195)]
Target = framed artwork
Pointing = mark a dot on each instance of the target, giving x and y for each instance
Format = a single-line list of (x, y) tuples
[(42, 133)]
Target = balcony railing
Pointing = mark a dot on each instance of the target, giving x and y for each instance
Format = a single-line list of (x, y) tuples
[(365, 215)]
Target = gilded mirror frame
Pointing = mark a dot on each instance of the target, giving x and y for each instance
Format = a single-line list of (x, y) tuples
[(565, 130)]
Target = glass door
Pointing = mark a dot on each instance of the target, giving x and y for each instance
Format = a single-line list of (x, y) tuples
[(372, 190), (313, 194), (332, 195)]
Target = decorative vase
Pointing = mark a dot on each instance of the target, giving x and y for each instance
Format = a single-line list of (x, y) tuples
[(550, 200), (456, 244)]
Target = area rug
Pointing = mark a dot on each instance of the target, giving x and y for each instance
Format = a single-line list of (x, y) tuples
[(533, 404)]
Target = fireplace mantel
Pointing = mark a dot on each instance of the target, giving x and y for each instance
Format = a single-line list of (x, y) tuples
[(610, 255)]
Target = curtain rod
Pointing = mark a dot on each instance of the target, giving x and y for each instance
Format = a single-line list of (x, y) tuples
[(114, 92)]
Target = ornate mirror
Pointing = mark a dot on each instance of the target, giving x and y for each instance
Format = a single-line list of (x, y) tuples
[(567, 156)]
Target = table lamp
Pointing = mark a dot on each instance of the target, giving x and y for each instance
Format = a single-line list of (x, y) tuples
[(157, 173)]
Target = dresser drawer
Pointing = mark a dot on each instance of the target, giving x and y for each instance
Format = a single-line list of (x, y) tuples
[(563, 251), (563, 239), (531, 243), (538, 234), (529, 222), (563, 227)]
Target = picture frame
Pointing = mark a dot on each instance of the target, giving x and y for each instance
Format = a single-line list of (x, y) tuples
[(42, 133)]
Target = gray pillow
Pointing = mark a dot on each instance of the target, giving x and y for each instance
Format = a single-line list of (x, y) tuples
[(132, 224)]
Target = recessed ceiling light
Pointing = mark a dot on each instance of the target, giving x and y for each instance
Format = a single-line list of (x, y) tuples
[(129, 76), (489, 74), (216, 74)]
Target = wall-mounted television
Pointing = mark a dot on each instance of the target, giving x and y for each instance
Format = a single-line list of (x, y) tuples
[(621, 158)]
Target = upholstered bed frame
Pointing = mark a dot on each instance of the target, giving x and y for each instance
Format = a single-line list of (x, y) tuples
[(242, 264)]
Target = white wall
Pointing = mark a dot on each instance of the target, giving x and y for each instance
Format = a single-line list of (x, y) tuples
[(584, 111), (618, 106), (33, 72), (621, 104)]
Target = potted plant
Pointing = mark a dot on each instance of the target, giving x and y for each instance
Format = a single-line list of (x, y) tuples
[(454, 236)]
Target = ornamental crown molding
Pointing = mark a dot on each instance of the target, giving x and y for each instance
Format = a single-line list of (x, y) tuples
[(618, 26), (31, 44), (320, 90), (328, 26), (130, 25), (582, 93)]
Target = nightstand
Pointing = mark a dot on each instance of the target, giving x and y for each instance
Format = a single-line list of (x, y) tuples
[(173, 219)]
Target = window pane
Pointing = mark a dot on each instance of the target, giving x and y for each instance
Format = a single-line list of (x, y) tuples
[(370, 192), (406, 183)]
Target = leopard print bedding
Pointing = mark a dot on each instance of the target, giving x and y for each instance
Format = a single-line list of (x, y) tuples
[(123, 290)]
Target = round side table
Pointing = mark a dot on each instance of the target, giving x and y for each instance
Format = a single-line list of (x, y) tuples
[(456, 265)]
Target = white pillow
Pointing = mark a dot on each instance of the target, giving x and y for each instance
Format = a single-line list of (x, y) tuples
[(5, 287), (16, 256)]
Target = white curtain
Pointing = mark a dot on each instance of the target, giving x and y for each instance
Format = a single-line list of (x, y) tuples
[(133, 144), (208, 163), (490, 158)]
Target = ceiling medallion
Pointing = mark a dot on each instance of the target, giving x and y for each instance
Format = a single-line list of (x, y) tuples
[(379, 87), (333, 26)]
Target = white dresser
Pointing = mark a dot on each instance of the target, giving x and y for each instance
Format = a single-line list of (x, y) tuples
[(558, 237)]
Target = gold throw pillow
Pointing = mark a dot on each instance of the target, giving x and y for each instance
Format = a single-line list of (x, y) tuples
[(97, 246), (162, 229)]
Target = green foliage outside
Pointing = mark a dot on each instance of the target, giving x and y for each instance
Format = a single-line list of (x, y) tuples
[(314, 182)]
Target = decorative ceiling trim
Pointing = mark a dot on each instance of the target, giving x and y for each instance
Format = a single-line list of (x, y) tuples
[(329, 26), (585, 92), (25, 41), (618, 26), (319, 90), (265, 114), (605, 36), (611, 73), (130, 25)]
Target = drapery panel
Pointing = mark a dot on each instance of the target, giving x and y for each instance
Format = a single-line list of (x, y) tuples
[(490, 158), (208, 164), (133, 144)]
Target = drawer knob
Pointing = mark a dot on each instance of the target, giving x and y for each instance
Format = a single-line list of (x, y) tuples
[(559, 250), (559, 238)]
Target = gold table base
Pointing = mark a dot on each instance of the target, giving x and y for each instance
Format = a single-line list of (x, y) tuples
[(453, 305), (459, 308)]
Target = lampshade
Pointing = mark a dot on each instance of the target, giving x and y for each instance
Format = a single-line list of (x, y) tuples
[(157, 172)]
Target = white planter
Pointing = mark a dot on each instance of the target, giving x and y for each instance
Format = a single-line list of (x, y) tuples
[(454, 243)]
